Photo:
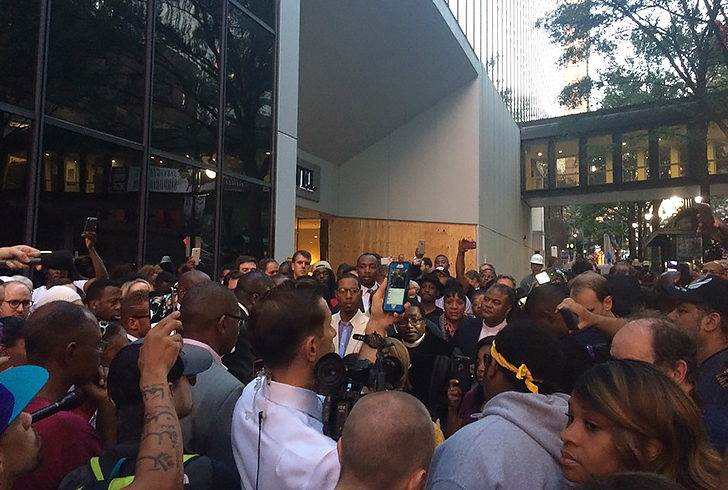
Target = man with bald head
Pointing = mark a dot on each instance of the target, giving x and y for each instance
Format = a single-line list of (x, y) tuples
[(251, 286), (189, 279), (673, 351), (388, 442), (660, 342), (211, 318)]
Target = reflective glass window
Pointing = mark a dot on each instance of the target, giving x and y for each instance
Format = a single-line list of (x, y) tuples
[(96, 65), (599, 159), (245, 220), (19, 22), (187, 57), (567, 163), (635, 156), (249, 97), (717, 148), (181, 212), (14, 146), (265, 10), (537, 168), (673, 144), (80, 177)]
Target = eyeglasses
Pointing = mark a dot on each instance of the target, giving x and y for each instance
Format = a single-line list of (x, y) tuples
[(240, 319), (98, 344), (344, 291), (413, 321), (14, 303), (139, 316)]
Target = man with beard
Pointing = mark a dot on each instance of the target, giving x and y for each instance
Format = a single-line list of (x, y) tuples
[(430, 360), (703, 313)]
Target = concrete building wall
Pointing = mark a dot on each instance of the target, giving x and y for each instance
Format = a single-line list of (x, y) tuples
[(329, 196), (423, 171), (458, 162), (284, 198), (504, 235)]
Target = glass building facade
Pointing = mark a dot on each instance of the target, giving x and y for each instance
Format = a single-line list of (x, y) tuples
[(154, 116), (504, 36)]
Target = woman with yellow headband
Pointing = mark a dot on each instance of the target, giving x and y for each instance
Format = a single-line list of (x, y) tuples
[(516, 443)]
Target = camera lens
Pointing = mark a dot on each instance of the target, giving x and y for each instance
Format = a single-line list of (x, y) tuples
[(330, 372)]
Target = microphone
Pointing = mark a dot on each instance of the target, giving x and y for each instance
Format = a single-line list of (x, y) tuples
[(69, 401), (33, 261)]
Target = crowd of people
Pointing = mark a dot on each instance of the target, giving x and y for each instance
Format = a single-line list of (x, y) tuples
[(568, 379)]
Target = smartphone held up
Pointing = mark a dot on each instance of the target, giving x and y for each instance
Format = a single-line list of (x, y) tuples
[(397, 286)]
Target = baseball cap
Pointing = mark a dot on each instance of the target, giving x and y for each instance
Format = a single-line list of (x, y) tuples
[(18, 386), (711, 291), (124, 375), (322, 264), (537, 259), (165, 260)]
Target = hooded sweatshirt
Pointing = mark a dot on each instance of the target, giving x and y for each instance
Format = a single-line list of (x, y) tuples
[(515, 446)]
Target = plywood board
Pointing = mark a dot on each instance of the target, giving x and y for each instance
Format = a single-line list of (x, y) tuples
[(350, 237)]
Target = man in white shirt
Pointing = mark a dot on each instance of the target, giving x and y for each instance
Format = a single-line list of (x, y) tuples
[(277, 432), (367, 267), (349, 320)]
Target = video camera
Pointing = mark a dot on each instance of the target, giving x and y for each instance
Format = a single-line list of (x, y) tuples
[(344, 381)]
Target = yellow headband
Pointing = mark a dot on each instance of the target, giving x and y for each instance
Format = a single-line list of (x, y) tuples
[(521, 372)]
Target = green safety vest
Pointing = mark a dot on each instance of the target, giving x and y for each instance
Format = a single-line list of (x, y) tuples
[(114, 481)]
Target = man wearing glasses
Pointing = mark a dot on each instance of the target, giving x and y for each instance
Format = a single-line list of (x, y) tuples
[(211, 319), (17, 300), (350, 319), (430, 358)]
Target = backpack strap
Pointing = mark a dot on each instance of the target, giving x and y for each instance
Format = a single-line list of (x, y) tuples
[(96, 468), (117, 467), (186, 458)]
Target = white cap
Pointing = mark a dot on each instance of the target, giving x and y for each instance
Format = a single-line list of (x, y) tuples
[(537, 259)]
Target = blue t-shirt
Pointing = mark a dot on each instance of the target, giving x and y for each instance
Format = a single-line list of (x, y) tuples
[(711, 389)]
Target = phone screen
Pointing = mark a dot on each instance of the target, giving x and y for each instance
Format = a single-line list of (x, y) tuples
[(161, 304), (90, 226), (397, 286), (543, 277)]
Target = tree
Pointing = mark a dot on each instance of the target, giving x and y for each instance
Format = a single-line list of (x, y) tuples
[(592, 221), (676, 48)]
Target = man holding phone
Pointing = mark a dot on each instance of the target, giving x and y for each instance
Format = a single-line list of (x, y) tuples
[(59, 265)]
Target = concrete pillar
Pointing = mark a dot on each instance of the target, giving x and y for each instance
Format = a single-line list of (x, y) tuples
[(284, 191)]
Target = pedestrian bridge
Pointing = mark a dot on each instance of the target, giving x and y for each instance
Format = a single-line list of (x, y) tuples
[(639, 153)]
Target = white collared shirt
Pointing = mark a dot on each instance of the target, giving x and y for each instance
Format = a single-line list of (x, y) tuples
[(294, 452), (485, 330), (366, 296)]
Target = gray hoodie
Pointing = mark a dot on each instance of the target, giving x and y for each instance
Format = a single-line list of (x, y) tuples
[(515, 446)]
